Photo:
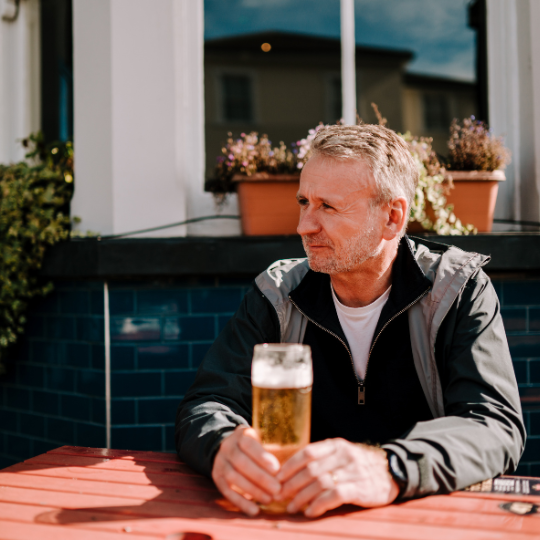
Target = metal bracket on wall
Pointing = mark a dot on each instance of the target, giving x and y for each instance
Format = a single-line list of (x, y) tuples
[(10, 10)]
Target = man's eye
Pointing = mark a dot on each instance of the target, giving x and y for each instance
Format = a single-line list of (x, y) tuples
[(324, 205), (302, 202)]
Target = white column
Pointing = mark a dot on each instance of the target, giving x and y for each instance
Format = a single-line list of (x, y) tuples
[(190, 151), (139, 117), (514, 101), (348, 66), (19, 78)]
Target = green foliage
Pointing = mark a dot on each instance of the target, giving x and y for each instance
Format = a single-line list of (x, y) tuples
[(34, 197)]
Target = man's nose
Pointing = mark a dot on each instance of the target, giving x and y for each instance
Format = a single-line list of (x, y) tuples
[(308, 223)]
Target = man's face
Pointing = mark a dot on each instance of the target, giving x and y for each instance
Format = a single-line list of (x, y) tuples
[(339, 228)]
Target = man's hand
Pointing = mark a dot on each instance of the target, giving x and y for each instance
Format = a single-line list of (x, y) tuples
[(330, 473), (243, 470)]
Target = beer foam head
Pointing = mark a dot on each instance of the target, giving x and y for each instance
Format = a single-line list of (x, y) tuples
[(282, 366)]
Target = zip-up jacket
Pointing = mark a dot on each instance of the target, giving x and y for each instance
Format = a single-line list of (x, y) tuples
[(439, 390)]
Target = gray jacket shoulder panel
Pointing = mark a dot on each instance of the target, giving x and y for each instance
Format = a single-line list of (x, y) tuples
[(276, 282)]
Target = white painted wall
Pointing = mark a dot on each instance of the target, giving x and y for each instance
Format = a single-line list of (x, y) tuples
[(514, 101), (19, 78), (139, 117)]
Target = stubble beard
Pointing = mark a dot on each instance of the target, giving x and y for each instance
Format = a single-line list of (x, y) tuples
[(354, 252)]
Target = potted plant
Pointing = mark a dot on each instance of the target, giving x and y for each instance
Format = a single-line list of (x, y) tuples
[(476, 161), (266, 180)]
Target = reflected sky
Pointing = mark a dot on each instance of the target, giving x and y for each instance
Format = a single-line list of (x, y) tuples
[(435, 30)]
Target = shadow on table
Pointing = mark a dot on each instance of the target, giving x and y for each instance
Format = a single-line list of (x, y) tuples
[(182, 494)]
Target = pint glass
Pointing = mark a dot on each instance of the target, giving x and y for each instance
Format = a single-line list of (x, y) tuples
[(282, 377)]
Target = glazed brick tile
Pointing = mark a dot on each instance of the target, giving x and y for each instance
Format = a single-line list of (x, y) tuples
[(160, 301), (90, 435), (35, 327), (530, 398), (515, 319), (534, 371), (215, 300), (98, 356), (534, 470), (522, 470), (98, 410), (524, 346), (135, 329), (157, 411), (90, 329), (32, 424), (45, 402), (522, 371), (60, 430), (498, 286), (189, 328), (46, 352), (18, 445), (9, 421), (62, 379), (137, 438), (198, 352), (97, 303), (161, 356), (534, 424), (7, 462), (223, 320), (141, 384), (41, 447), (90, 383), (61, 328), (532, 450), (47, 304), (177, 383), (534, 319), (122, 358), (121, 302), (18, 398), (76, 407), (74, 302), (169, 443), (521, 293), (31, 375), (123, 411), (78, 355)]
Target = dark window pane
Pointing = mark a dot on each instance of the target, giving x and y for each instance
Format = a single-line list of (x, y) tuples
[(237, 98), (436, 112)]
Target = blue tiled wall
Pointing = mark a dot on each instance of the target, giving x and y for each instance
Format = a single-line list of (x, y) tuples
[(159, 335), (520, 306), (54, 392)]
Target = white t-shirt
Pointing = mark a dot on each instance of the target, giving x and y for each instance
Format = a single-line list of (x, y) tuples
[(359, 326)]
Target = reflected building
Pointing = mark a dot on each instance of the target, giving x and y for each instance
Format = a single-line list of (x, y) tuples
[(283, 84)]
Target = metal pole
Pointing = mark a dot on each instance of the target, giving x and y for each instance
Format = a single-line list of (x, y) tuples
[(348, 66), (107, 364)]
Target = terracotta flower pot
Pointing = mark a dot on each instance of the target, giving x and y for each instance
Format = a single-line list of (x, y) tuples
[(268, 203), (473, 197)]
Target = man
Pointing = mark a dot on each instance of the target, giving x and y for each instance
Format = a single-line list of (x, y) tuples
[(414, 391)]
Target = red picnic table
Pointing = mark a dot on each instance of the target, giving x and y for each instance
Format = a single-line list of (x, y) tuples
[(96, 494)]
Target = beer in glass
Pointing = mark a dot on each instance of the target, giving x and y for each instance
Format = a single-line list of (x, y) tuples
[(282, 377)]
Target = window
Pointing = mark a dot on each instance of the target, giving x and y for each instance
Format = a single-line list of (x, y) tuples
[(335, 99), (436, 112), (237, 98)]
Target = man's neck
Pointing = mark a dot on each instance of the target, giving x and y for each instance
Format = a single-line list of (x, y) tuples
[(364, 285)]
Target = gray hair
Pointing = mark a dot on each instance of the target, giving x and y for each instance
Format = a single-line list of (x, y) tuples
[(386, 153)]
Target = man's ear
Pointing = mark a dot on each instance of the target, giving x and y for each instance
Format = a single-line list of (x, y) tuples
[(396, 218)]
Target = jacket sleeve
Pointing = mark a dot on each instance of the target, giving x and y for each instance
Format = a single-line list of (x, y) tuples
[(482, 433), (220, 398)]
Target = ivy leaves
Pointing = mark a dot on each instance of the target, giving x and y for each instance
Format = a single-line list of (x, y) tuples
[(34, 197)]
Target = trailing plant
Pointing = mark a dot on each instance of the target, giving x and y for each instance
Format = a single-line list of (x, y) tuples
[(472, 147), (248, 155), (34, 197)]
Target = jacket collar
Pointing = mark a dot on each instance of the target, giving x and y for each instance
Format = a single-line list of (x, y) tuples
[(313, 295)]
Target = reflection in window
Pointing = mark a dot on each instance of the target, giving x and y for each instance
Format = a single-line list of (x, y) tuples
[(237, 98), (436, 112)]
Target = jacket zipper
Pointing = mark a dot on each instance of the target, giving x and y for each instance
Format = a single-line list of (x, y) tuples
[(361, 383)]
